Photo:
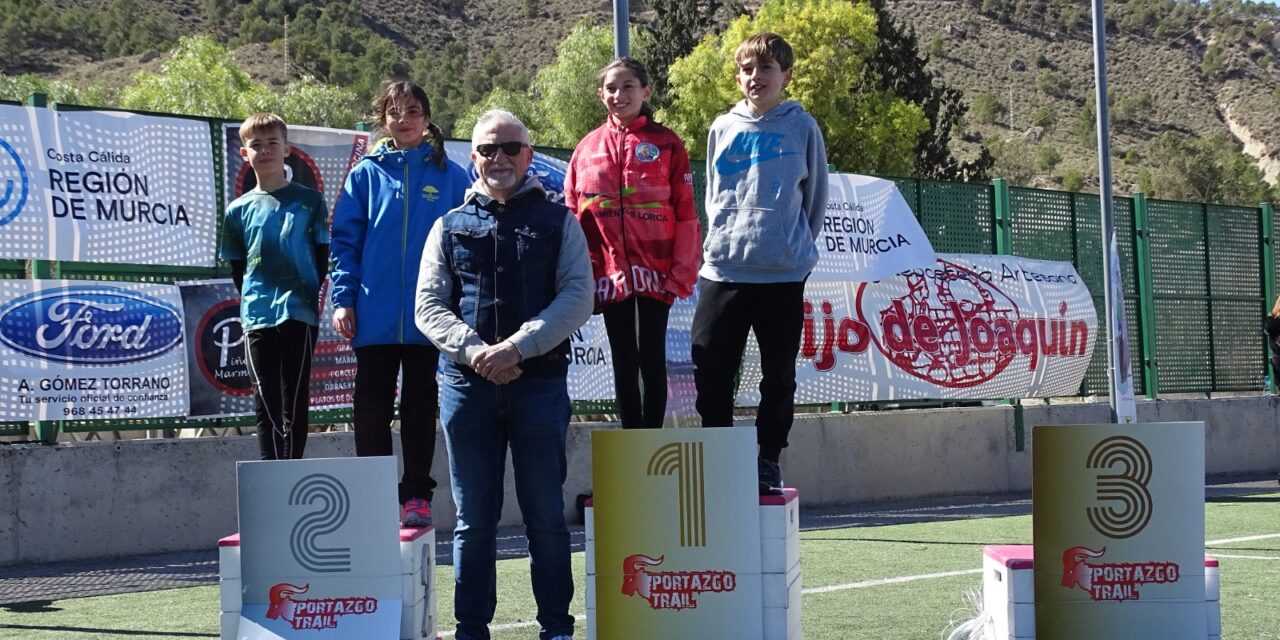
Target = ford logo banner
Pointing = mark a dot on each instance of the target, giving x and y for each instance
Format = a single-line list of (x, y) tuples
[(92, 325)]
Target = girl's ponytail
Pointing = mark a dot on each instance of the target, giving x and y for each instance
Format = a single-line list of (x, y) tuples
[(437, 144)]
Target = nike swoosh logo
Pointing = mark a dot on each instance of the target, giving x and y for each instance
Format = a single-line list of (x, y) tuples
[(727, 166)]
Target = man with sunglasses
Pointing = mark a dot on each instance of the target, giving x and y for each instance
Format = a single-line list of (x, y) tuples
[(505, 279)]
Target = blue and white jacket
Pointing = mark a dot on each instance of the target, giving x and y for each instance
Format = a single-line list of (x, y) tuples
[(380, 223)]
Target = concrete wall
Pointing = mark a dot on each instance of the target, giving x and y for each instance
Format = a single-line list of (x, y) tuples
[(103, 499)]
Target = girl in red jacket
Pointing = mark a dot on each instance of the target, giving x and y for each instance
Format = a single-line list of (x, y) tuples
[(630, 186)]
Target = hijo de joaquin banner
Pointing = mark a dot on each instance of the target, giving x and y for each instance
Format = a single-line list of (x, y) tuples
[(969, 326), (105, 186), (79, 350)]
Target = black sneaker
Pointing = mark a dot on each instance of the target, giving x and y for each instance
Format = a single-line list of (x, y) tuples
[(770, 477)]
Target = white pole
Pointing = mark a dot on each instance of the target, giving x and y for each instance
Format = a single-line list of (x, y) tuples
[(1123, 407), (621, 29)]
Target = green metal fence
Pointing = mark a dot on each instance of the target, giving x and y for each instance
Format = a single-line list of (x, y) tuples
[(1195, 284)]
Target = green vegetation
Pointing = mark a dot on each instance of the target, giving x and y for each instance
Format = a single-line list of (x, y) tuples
[(1047, 157), (29, 27), (866, 129), (202, 79), (1072, 180), (1210, 170), (987, 108)]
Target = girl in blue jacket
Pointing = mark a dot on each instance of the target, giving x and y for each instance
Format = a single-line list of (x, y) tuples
[(380, 224)]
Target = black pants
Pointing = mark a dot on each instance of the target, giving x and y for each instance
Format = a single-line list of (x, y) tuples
[(280, 370), (375, 398), (725, 313), (637, 329)]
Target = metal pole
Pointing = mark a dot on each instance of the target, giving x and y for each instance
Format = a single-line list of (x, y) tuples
[(621, 28), (1119, 372)]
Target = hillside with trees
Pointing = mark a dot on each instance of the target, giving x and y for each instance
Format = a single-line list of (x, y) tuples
[(979, 88)]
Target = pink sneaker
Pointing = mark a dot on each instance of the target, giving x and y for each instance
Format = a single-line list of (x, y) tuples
[(415, 514)]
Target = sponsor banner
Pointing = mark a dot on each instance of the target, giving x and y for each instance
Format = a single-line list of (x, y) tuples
[(105, 186), (1118, 524), (971, 326), (591, 360), (79, 350), (677, 534), (868, 233), (220, 384), (318, 158), (320, 548)]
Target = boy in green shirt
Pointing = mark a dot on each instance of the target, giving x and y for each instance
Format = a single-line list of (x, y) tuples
[(276, 238)]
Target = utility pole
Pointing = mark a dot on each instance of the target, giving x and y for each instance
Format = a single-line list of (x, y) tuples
[(621, 28), (1120, 372)]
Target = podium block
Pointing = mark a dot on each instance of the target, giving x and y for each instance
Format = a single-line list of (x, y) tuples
[(779, 564), (1118, 526), (1008, 593), (417, 561)]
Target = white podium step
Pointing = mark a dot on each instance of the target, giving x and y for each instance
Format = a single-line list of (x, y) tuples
[(417, 564), (1009, 593)]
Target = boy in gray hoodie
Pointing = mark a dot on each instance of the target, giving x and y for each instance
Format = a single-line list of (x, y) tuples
[(766, 198)]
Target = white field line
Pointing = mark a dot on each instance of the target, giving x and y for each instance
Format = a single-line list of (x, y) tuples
[(1223, 555), (1265, 536), (883, 581), (865, 584)]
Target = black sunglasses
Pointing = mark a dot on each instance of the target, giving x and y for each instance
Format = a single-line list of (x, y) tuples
[(489, 149)]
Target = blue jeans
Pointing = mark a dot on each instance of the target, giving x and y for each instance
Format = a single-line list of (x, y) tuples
[(480, 421)]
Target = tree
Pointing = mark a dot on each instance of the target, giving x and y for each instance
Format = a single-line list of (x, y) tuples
[(201, 79), (988, 109), (867, 129), (897, 66), (499, 98), (1211, 170), (565, 91), (1014, 161), (675, 30)]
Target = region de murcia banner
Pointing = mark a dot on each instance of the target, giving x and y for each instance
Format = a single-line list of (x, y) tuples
[(104, 186)]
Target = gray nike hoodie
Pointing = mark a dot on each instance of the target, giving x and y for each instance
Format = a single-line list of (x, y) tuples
[(766, 195)]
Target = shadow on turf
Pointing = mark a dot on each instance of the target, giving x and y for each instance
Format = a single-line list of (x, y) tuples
[(33, 606), (119, 632), (1244, 499)]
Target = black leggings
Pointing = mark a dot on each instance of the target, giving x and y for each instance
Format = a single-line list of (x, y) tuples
[(374, 404), (280, 370), (637, 329)]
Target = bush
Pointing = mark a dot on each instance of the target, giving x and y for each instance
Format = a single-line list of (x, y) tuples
[(987, 108), (1072, 180), (1053, 84), (1047, 158), (1046, 117)]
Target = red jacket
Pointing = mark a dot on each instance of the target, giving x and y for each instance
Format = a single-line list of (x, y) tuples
[(632, 190)]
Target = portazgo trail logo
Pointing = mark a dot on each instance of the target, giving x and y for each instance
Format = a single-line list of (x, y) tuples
[(314, 613), (90, 325), (1114, 581), (671, 589), (15, 184)]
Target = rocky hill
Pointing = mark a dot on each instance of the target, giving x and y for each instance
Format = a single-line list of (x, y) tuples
[(1034, 78)]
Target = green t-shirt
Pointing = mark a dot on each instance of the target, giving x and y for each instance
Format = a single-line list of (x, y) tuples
[(275, 234)]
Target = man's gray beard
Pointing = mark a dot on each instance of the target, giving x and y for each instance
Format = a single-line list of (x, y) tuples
[(510, 181)]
